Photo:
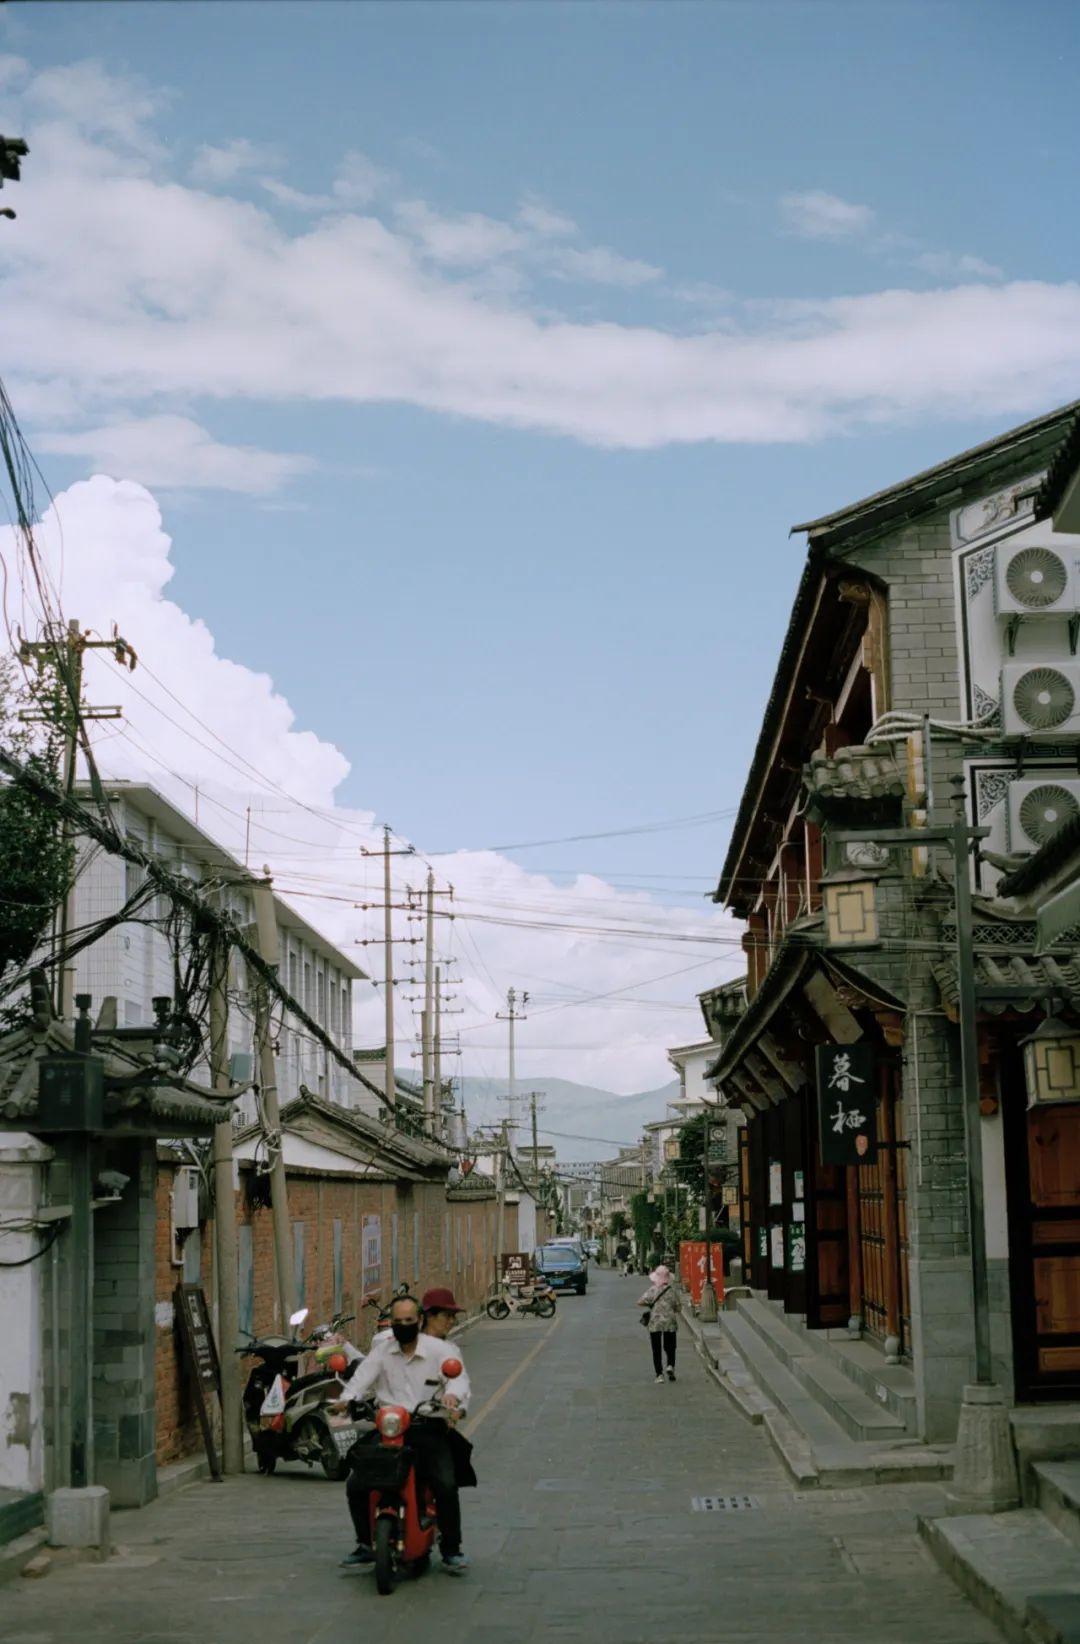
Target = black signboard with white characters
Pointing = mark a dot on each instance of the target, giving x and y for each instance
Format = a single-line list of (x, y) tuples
[(847, 1103)]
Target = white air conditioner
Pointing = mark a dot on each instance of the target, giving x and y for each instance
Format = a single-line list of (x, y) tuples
[(1036, 581), (185, 1197), (1038, 806), (1041, 699)]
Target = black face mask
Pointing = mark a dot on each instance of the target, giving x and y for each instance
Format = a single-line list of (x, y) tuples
[(405, 1333)]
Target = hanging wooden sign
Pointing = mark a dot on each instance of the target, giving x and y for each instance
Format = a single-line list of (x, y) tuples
[(847, 1103), (200, 1354)]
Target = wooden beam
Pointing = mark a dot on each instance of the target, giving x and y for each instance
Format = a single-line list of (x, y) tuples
[(790, 1071), (765, 1075), (827, 1004)]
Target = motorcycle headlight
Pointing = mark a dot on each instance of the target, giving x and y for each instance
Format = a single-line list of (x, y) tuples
[(392, 1420)]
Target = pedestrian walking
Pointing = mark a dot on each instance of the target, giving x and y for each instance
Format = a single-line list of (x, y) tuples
[(622, 1256), (661, 1318)]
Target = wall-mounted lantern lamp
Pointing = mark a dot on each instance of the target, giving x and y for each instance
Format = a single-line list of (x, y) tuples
[(1052, 1063), (850, 909)]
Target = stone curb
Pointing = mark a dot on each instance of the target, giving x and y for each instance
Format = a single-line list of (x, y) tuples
[(16, 1555)]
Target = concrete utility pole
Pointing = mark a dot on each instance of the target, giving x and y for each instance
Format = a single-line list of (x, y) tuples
[(232, 1440), (512, 1016), (533, 1094), (266, 940), (427, 1018), (67, 656), (390, 1089), (500, 1204), (437, 1052)]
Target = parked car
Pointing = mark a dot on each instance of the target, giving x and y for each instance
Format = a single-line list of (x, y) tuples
[(592, 1248), (563, 1267), (572, 1241)]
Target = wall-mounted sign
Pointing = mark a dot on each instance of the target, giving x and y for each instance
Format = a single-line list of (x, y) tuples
[(796, 1247), (847, 1103), (776, 1182), (776, 1253)]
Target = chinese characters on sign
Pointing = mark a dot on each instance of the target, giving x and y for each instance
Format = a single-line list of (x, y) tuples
[(847, 1103)]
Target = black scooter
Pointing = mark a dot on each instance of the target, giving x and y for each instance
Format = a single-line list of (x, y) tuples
[(301, 1429)]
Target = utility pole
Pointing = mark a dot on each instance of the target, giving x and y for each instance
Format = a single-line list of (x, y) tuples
[(389, 1086), (266, 940), (533, 1094), (437, 1051), (500, 1203), (428, 1017), (512, 1016), (66, 654), (232, 1443)]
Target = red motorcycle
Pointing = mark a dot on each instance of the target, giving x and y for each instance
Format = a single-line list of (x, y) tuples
[(403, 1521)]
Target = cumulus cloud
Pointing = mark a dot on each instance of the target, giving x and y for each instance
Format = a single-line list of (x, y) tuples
[(171, 452), (815, 215), (951, 265), (194, 719), (225, 162)]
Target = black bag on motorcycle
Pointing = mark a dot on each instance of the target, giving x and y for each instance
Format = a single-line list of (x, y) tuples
[(461, 1455), (381, 1466)]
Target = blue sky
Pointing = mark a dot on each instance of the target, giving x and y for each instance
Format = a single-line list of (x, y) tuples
[(539, 589)]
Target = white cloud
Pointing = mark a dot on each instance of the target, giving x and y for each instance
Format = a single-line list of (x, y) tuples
[(815, 215), (172, 451), (106, 547), (179, 293), (951, 265), (533, 214), (357, 181), (464, 241), (601, 266), (224, 163)]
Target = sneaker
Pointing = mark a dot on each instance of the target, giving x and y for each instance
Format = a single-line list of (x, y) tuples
[(455, 1564), (660, 1379), (670, 1374), (360, 1555)]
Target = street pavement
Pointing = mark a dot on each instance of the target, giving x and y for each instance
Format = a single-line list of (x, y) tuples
[(582, 1528)]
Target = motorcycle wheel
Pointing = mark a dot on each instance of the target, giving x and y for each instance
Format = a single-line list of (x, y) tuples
[(334, 1464), (497, 1308), (384, 1555), (545, 1307)]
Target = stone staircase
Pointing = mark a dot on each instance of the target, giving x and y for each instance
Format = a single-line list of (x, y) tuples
[(837, 1415), (1023, 1568)]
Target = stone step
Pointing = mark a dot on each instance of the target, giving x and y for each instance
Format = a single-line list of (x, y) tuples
[(1058, 1486), (861, 1417), (814, 1447), (1019, 1570)]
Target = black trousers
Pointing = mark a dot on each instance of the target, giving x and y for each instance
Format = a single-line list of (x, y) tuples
[(667, 1338), (434, 1466)]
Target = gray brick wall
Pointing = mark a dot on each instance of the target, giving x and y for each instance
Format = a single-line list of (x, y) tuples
[(123, 1330)]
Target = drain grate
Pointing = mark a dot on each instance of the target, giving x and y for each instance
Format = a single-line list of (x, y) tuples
[(723, 1504)]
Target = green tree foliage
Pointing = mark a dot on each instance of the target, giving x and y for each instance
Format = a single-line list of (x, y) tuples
[(35, 863), (618, 1222), (645, 1218)]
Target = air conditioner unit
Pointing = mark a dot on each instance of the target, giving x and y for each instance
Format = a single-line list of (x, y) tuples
[(1035, 581), (185, 1197), (1038, 806), (1041, 699)]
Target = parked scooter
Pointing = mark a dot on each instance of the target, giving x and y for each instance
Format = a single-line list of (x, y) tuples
[(285, 1411), (541, 1302), (403, 1521)]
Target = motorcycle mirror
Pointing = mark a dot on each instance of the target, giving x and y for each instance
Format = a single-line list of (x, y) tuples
[(298, 1317), (451, 1368)]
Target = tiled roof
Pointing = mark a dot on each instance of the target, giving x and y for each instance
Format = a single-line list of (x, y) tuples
[(858, 772), (135, 1093), (1027, 978)]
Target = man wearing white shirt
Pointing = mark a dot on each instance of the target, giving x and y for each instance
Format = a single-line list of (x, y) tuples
[(407, 1370)]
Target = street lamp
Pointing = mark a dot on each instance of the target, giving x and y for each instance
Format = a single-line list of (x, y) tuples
[(1052, 1063), (850, 909)]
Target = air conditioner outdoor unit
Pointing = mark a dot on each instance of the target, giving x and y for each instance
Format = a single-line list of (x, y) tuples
[(185, 1197), (1035, 581), (1041, 699), (1038, 806)]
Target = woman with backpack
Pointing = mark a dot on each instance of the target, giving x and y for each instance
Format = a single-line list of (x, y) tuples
[(661, 1319)]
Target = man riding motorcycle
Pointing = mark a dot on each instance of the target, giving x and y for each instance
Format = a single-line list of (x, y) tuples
[(407, 1370)]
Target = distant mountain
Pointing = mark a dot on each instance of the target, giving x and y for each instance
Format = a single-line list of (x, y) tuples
[(581, 1121)]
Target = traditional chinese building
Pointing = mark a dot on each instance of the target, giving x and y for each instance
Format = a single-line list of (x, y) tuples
[(946, 599)]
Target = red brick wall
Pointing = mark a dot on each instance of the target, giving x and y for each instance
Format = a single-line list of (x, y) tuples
[(456, 1246)]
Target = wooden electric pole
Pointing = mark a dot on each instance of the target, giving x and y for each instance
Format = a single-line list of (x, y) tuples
[(266, 940), (232, 1439)]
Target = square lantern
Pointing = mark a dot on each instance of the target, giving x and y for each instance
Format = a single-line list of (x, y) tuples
[(850, 910), (1052, 1064)]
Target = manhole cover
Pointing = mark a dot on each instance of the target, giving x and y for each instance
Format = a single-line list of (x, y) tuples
[(723, 1504)]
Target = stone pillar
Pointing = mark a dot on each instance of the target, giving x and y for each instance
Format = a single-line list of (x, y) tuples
[(124, 1332)]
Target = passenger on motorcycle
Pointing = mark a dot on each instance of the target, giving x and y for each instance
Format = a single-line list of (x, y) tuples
[(407, 1370)]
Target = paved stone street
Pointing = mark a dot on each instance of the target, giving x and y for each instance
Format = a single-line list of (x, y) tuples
[(582, 1528)]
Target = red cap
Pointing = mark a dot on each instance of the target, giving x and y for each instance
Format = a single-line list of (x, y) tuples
[(441, 1301)]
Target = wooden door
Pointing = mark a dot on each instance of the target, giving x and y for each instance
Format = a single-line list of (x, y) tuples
[(1043, 1175)]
